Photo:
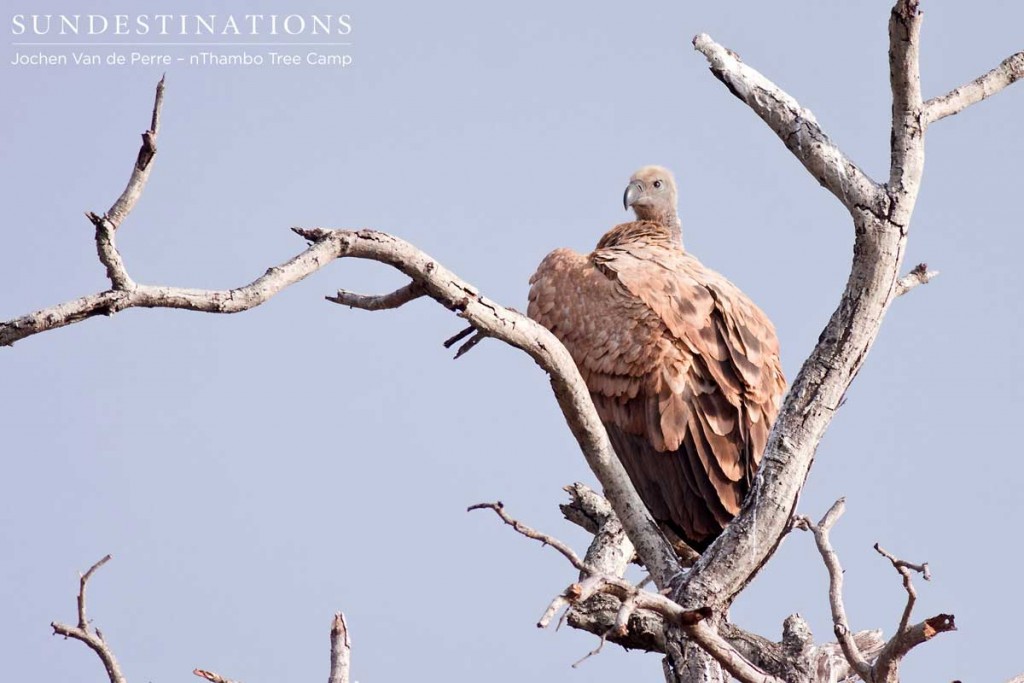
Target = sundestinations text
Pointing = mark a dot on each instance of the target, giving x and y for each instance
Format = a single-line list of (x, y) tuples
[(180, 24)]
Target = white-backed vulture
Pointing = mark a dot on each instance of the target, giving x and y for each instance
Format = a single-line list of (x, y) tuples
[(682, 366)]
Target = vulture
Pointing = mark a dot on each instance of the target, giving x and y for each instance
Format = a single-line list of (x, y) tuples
[(682, 367)]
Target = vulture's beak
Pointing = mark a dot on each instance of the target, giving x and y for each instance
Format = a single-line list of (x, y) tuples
[(634, 191)]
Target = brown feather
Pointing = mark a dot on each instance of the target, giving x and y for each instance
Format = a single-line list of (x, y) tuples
[(683, 368)]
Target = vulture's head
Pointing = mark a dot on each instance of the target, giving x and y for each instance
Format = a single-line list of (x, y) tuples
[(652, 194)]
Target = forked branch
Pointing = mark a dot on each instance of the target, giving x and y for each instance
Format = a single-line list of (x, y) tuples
[(840, 622), (796, 126), (886, 666), (567, 552), (340, 646), (84, 631), (904, 568), (633, 598), (881, 219)]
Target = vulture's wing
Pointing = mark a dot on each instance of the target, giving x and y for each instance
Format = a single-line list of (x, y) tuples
[(683, 368)]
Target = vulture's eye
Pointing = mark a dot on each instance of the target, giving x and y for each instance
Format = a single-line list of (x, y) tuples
[(657, 183)]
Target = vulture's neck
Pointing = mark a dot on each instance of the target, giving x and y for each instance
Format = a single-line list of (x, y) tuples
[(666, 230)]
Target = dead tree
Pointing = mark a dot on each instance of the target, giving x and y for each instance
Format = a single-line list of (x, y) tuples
[(685, 620)]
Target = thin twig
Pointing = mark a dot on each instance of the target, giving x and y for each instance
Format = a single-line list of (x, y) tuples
[(552, 609), (143, 165), (479, 336), (382, 302), (567, 552), (212, 677), (107, 224), (1009, 71), (109, 256), (93, 639), (227, 301), (595, 651), (904, 568), (840, 622), (920, 275), (83, 622), (693, 621), (452, 340), (470, 343), (886, 666)]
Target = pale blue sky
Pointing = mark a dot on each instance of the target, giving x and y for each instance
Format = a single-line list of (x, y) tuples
[(252, 474)]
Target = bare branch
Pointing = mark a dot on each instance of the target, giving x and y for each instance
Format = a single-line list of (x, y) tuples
[(110, 257), (341, 653), (567, 552), (470, 343), (907, 637), (590, 510), (881, 219), (586, 508), (148, 296), (904, 568), (886, 666), (796, 127), (646, 632), (595, 651), (108, 223), (801, 660), (477, 337), (907, 140), (458, 336), (1009, 71), (395, 299), (886, 669), (83, 621), (559, 602), (143, 165), (212, 677), (920, 275), (632, 598), (91, 638), (611, 551), (340, 645), (341, 650), (835, 590)]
